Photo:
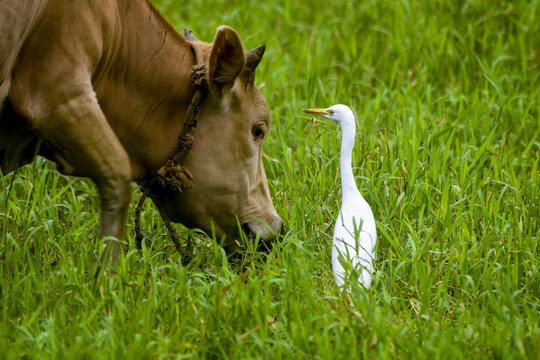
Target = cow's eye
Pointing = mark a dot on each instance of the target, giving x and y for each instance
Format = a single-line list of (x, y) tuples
[(259, 131)]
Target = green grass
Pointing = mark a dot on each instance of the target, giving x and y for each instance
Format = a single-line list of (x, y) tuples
[(447, 98)]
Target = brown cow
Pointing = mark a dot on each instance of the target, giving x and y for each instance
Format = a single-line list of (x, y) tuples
[(102, 88)]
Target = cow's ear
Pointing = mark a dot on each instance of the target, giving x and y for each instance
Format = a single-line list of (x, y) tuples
[(226, 60)]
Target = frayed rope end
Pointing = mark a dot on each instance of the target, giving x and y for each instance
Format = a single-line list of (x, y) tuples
[(173, 175)]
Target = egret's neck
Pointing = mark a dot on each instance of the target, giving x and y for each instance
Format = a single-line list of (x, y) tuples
[(348, 185)]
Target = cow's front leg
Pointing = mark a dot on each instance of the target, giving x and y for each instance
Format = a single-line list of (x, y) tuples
[(115, 194), (78, 131)]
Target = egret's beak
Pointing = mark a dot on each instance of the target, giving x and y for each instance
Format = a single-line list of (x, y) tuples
[(318, 112)]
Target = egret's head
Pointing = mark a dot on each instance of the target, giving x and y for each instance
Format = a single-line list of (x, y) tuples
[(341, 114)]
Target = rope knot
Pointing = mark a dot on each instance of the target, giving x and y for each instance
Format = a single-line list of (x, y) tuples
[(199, 76)]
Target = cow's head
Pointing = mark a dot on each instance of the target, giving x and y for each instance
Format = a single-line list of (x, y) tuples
[(229, 189)]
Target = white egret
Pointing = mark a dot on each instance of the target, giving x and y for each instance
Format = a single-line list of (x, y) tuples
[(354, 233)]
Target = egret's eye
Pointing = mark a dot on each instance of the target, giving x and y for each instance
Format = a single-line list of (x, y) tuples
[(331, 112)]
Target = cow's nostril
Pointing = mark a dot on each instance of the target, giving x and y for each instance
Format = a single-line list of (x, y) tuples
[(254, 228)]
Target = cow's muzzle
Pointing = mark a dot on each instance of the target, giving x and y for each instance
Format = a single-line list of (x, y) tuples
[(268, 230)]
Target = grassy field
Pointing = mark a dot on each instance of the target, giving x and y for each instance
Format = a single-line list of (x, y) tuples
[(447, 98)]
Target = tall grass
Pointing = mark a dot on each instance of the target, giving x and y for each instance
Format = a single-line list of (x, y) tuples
[(446, 95)]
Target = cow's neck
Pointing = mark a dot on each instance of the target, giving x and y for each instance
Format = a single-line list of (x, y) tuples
[(146, 90)]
